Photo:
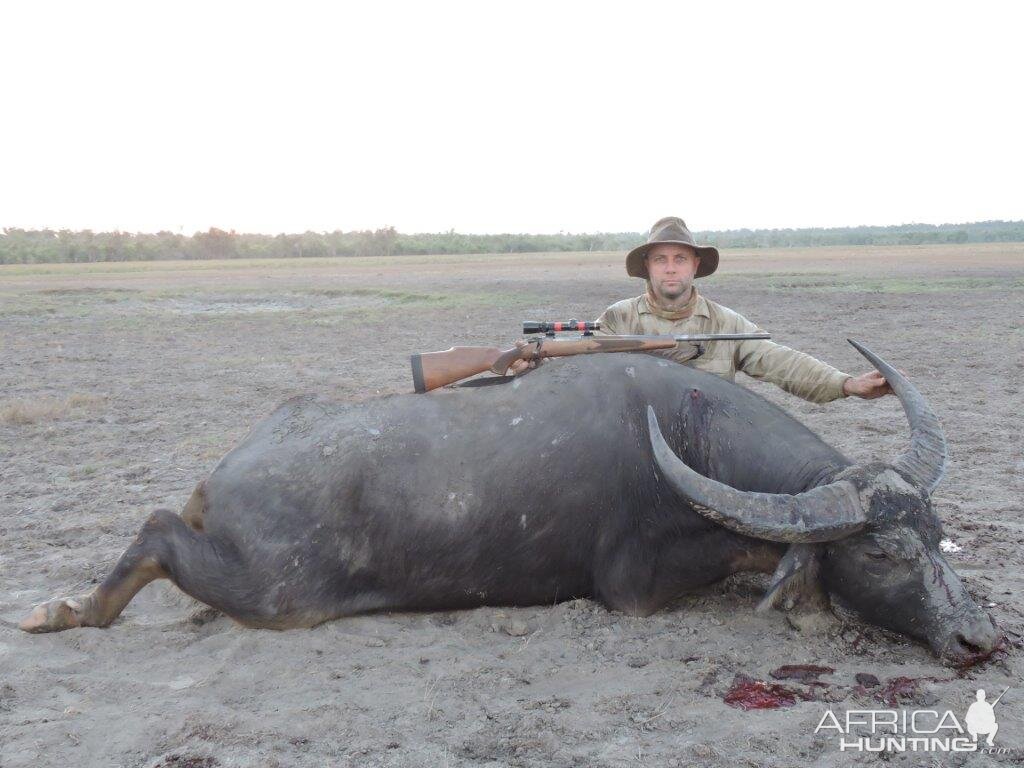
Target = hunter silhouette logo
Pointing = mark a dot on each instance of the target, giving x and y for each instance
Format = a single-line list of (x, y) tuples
[(981, 717)]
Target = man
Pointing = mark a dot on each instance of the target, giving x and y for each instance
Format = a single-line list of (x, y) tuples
[(670, 260)]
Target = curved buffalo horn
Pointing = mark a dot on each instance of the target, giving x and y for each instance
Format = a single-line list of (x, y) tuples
[(825, 513), (925, 462)]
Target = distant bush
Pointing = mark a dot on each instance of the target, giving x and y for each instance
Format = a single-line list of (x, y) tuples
[(45, 246)]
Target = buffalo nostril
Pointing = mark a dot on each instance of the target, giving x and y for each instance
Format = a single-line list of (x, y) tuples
[(978, 639), (968, 646)]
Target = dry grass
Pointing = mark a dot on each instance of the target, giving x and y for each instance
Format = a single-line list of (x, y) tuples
[(46, 409)]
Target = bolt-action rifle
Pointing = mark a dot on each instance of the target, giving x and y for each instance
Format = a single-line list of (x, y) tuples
[(431, 370)]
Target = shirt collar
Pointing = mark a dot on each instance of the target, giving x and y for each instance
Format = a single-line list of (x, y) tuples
[(701, 310)]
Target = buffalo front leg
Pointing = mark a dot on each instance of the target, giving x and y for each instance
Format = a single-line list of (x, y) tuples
[(165, 547), (641, 577)]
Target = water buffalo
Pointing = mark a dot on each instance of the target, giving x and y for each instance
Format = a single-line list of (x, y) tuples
[(554, 485)]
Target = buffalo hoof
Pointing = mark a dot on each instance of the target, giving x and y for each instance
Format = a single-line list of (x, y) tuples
[(56, 615)]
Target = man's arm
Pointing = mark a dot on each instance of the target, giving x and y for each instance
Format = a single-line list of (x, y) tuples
[(795, 372)]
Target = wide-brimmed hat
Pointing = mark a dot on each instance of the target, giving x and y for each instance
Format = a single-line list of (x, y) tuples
[(671, 229)]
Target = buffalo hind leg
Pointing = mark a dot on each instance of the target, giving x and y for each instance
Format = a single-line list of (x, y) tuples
[(195, 507), (165, 548)]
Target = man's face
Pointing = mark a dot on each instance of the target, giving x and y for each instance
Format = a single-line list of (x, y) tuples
[(671, 269)]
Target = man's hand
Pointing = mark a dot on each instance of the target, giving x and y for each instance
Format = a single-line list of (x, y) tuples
[(521, 366), (867, 386)]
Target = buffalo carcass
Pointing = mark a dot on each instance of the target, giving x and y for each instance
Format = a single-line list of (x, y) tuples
[(553, 485)]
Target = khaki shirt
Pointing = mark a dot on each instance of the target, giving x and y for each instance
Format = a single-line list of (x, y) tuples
[(795, 372)]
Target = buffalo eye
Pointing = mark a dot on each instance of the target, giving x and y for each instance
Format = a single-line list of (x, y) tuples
[(877, 555)]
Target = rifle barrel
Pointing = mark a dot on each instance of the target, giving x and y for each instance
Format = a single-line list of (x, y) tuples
[(723, 336)]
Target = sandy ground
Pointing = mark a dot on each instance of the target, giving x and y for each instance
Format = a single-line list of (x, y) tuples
[(121, 386)]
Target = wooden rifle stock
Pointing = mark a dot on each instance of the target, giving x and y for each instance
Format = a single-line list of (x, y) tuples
[(431, 370)]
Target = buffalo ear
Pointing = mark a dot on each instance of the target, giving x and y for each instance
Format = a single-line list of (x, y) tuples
[(797, 581)]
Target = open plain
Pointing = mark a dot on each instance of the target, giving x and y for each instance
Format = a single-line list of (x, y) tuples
[(121, 385)]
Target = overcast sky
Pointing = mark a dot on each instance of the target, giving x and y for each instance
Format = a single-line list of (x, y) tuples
[(511, 117)]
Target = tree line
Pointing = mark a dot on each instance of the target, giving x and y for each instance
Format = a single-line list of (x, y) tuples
[(46, 246)]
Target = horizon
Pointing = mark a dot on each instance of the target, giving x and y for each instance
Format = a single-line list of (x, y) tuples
[(3, 230)]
